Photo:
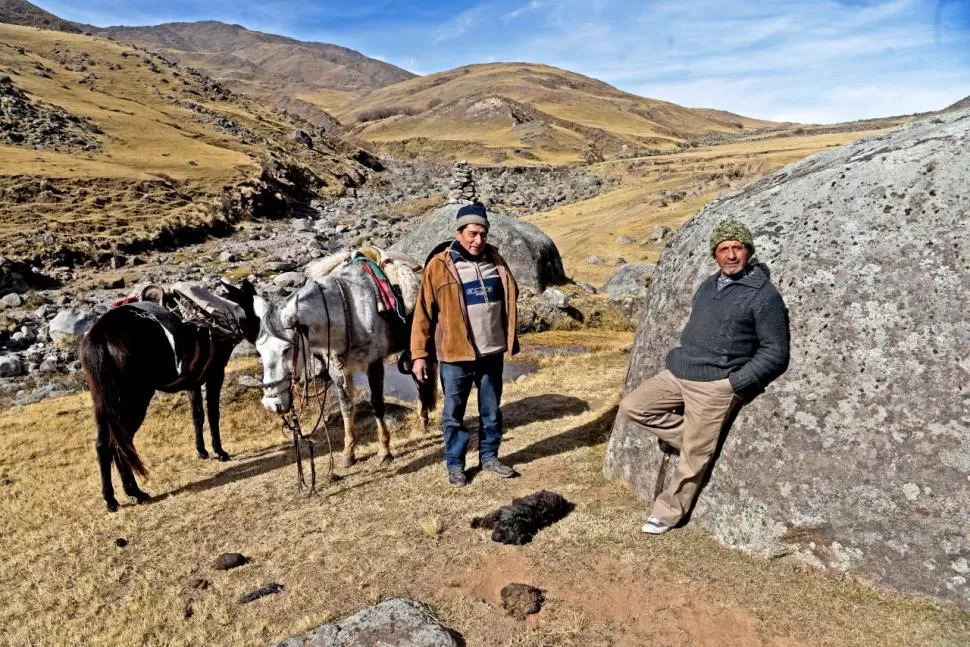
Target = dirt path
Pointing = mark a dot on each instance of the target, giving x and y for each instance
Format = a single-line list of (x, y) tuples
[(399, 531)]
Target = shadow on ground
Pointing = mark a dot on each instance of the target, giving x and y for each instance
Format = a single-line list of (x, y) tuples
[(535, 408), (281, 454)]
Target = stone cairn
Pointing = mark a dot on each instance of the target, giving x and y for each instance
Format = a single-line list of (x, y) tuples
[(462, 185)]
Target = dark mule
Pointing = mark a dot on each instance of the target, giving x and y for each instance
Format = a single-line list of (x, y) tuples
[(137, 349)]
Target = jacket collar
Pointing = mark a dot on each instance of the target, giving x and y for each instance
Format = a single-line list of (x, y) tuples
[(490, 253), (755, 278)]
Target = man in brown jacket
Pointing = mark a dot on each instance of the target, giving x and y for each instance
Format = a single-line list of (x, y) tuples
[(466, 315)]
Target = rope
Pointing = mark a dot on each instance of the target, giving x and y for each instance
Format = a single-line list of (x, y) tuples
[(301, 351)]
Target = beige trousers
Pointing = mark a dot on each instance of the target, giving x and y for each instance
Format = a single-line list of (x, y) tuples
[(689, 416)]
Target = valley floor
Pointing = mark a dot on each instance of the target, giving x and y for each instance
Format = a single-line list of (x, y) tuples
[(399, 531)]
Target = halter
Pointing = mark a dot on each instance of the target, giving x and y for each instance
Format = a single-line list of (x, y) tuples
[(291, 420)]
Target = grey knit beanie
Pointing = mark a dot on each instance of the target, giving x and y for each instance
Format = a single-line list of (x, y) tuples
[(731, 230), (471, 214)]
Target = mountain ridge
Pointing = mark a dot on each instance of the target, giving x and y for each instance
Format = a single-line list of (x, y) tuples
[(21, 12), (306, 78), (527, 112)]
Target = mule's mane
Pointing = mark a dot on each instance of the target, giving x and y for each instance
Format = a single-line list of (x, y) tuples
[(273, 322)]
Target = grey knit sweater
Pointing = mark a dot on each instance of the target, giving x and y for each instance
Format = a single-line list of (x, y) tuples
[(739, 332)]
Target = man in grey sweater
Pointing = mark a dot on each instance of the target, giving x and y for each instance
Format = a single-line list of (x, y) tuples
[(735, 343)]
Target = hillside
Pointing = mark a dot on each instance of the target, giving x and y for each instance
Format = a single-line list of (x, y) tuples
[(20, 12), (308, 79), (107, 147), (523, 112), (962, 104)]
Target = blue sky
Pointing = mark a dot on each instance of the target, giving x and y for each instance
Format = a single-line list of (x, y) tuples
[(818, 61)]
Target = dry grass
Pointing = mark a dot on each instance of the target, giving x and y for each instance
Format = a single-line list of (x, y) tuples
[(591, 227), (401, 531), (162, 165), (330, 100)]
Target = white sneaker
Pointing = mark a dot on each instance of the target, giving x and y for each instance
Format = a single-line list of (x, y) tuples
[(655, 526)]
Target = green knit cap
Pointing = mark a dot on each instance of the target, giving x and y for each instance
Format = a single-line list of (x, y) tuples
[(731, 230)]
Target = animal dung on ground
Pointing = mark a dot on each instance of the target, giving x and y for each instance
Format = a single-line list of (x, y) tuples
[(121, 542), (520, 600), (226, 561), (519, 522), (263, 591)]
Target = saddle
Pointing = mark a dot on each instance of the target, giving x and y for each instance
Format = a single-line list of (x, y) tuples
[(192, 345), (195, 304), (394, 288)]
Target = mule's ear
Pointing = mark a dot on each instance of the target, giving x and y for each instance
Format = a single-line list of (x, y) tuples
[(260, 306), (230, 289), (248, 288)]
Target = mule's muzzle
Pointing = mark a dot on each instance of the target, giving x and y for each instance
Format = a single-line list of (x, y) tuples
[(279, 403)]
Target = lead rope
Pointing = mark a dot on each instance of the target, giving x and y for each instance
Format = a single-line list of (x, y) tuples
[(301, 350)]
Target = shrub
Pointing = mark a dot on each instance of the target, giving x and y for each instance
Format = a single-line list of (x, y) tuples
[(384, 112)]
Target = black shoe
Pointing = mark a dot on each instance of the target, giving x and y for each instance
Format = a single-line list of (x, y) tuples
[(456, 476), (499, 469)]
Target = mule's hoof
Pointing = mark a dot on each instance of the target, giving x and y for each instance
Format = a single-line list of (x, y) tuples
[(384, 460), (112, 505), (344, 461), (201, 453), (141, 497), (223, 456)]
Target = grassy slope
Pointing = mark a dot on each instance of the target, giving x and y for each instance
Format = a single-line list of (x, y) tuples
[(402, 531), (148, 137), (570, 101), (143, 133), (589, 228)]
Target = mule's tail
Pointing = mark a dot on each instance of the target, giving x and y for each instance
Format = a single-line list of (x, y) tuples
[(106, 386)]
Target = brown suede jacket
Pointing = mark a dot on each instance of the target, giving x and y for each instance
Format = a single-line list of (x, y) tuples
[(440, 318)]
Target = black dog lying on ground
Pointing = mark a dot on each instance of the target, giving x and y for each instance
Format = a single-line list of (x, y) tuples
[(519, 522)]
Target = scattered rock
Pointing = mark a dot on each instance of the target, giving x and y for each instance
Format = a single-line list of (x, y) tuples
[(11, 366), (659, 233), (628, 288), (594, 260), (249, 381), (290, 279), (555, 298), (301, 137)]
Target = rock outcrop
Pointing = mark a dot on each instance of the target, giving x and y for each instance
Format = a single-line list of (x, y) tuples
[(532, 256), (858, 458)]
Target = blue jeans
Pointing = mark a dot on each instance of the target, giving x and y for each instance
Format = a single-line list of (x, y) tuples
[(457, 379)]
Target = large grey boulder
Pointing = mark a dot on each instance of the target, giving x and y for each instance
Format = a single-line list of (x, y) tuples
[(397, 622), (532, 256), (858, 458)]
